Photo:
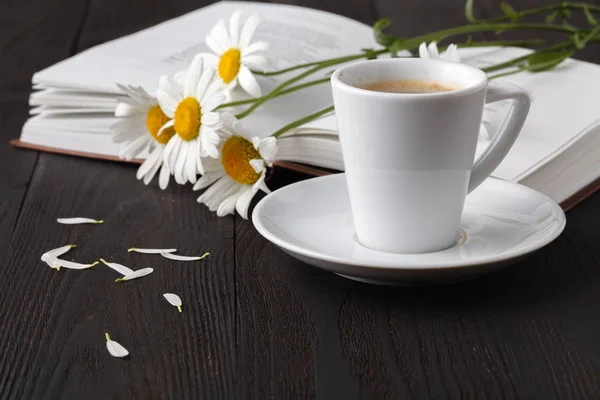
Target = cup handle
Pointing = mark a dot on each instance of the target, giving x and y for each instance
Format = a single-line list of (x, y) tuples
[(505, 138)]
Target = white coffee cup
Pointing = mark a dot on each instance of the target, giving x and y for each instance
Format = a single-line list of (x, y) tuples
[(409, 157)]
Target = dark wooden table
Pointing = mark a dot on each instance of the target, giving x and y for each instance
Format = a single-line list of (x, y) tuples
[(256, 323)]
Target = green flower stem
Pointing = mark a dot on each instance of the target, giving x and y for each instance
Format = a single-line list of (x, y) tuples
[(283, 92), (312, 64), (553, 7), (500, 43), (481, 27), (518, 60), (302, 121), (295, 79), (512, 72)]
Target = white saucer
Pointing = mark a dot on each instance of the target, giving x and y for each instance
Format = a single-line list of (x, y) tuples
[(502, 222)]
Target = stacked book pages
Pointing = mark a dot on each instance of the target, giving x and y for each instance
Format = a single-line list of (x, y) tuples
[(72, 105)]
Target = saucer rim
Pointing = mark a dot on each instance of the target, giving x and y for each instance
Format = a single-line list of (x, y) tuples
[(388, 265)]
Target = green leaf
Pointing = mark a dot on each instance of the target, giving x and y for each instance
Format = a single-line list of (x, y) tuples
[(383, 39), (544, 61), (510, 12), (396, 47), (469, 11), (550, 18), (581, 42), (589, 16), (370, 53)]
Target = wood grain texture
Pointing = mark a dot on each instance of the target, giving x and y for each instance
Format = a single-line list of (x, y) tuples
[(256, 323), (31, 38)]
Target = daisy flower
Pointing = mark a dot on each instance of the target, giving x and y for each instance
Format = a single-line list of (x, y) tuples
[(239, 172), (190, 107), (431, 51), (140, 121), (234, 53)]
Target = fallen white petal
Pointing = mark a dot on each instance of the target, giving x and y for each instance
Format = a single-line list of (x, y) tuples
[(151, 251), (136, 274), (57, 262), (114, 348), (78, 220), (123, 270), (57, 252), (183, 258), (173, 299)]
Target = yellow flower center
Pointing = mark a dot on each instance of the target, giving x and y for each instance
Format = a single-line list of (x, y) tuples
[(155, 119), (229, 65), (235, 157), (187, 118)]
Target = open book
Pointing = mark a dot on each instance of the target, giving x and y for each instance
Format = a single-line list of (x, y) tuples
[(557, 152)]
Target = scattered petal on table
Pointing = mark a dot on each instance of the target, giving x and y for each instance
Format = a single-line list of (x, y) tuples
[(55, 262), (78, 220), (183, 258), (151, 251), (173, 299), (115, 349), (57, 252), (136, 274), (123, 270)]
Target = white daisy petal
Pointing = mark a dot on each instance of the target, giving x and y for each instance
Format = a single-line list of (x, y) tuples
[(210, 91), (78, 220), (177, 257), (163, 178), (256, 61), (174, 156), (433, 51), (71, 264), (255, 48), (227, 206), (221, 36), (423, 50), (199, 161), (136, 147), (129, 136), (152, 172), (260, 184), (214, 45), (217, 193), (211, 118), (190, 161), (268, 149), (257, 165), (57, 252), (148, 163), (173, 299), (243, 202), (234, 27), (125, 110), (248, 82), (203, 83), (150, 251), (179, 171), (137, 274), (123, 270), (168, 102), (135, 123), (115, 349), (248, 31), (210, 61), (167, 124), (207, 180), (193, 76), (213, 102)]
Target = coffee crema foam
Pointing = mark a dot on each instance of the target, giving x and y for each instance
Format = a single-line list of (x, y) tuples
[(409, 86)]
